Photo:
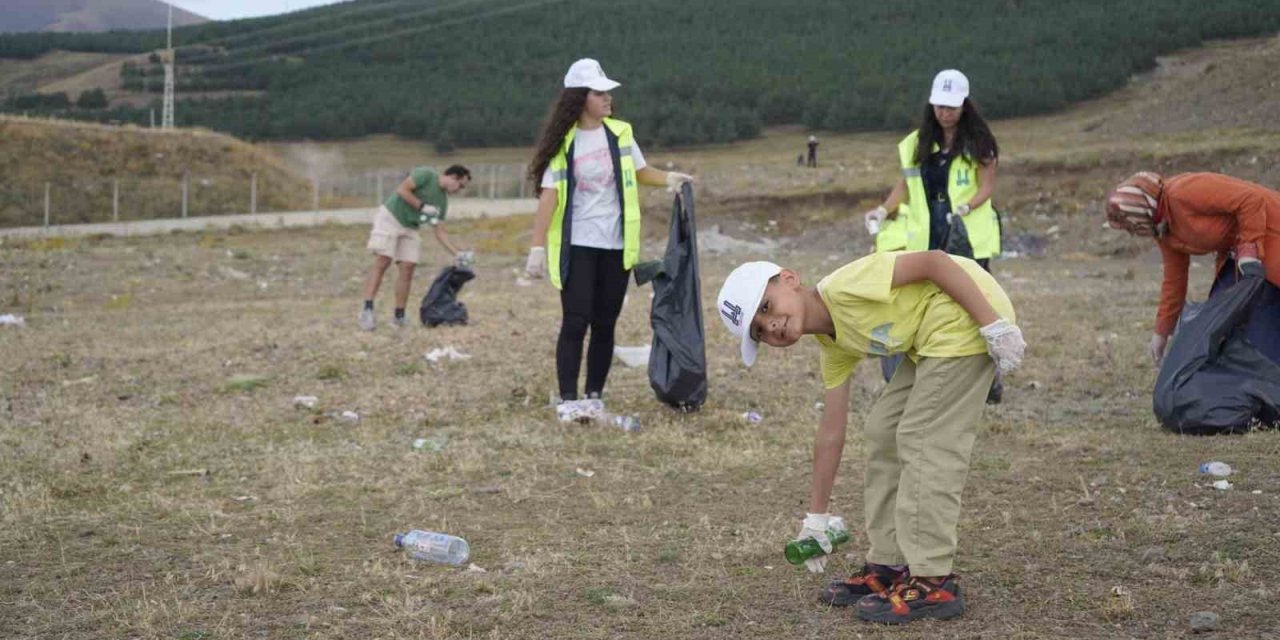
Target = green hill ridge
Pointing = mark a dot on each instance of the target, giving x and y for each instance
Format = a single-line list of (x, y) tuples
[(464, 73)]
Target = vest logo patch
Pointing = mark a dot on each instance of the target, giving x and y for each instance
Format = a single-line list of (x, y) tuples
[(962, 178), (732, 312)]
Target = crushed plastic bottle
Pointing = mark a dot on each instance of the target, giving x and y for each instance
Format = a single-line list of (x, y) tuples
[(430, 546), (1216, 469), (753, 417), (630, 424)]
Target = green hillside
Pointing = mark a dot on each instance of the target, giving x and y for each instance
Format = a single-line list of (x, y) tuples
[(461, 72)]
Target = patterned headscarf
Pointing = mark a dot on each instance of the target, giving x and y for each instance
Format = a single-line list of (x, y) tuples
[(1132, 205)]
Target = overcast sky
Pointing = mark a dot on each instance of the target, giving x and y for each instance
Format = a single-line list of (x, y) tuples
[(231, 9)]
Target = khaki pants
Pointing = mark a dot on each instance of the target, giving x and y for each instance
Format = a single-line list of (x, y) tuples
[(919, 436)]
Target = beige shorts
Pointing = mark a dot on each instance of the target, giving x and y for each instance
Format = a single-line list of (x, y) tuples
[(391, 239)]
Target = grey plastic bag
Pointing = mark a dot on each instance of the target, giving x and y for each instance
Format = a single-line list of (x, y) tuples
[(678, 360)]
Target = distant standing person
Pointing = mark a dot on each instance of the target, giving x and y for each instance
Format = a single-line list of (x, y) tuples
[(586, 233), (1193, 214), (423, 197), (948, 167), (813, 152)]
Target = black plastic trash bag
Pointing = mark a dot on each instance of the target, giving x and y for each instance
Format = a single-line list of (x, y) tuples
[(678, 360), (1213, 380), (441, 304)]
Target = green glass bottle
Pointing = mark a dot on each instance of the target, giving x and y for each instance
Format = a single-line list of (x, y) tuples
[(797, 551)]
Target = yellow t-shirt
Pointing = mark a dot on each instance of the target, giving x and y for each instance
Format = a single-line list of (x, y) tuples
[(872, 317)]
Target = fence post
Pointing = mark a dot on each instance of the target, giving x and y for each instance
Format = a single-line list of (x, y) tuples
[(493, 180), (184, 195), (115, 201), (379, 189), (521, 180), (315, 194), (46, 205), (253, 193)]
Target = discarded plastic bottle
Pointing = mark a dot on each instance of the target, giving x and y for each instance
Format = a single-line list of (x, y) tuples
[(630, 424), (753, 417), (1215, 468), (797, 551), (434, 547), (873, 226)]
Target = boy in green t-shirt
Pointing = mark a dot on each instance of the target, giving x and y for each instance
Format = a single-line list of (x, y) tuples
[(955, 325), (422, 197)]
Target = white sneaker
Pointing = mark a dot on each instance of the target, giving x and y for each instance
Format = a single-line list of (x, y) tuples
[(399, 323), (366, 320)]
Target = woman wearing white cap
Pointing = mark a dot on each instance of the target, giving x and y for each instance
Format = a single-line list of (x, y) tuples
[(587, 227), (948, 167)]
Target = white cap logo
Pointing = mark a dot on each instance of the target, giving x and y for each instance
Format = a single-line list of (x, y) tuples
[(732, 312), (950, 88)]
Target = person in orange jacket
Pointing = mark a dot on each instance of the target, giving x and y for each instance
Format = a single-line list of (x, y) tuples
[(1199, 213)]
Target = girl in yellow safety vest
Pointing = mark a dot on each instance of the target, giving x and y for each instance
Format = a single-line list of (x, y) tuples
[(586, 233), (948, 168)]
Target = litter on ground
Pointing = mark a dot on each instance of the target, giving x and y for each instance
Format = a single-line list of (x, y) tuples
[(436, 355)]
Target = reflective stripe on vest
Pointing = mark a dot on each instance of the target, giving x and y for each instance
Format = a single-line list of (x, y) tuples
[(962, 186), (620, 143)]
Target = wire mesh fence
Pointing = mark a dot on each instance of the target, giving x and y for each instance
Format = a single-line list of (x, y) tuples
[(89, 200)]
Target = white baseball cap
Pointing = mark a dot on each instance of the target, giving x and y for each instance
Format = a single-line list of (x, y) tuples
[(950, 88), (740, 298), (588, 73)]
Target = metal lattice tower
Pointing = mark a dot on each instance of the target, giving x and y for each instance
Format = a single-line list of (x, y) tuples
[(166, 118)]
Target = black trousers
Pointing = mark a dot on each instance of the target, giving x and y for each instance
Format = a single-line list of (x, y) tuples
[(590, 299)]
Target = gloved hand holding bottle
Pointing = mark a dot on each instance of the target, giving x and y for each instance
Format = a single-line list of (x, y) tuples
[(815, 526)]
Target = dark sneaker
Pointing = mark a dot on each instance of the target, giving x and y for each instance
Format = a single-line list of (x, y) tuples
[(914, 599), (874, 578)]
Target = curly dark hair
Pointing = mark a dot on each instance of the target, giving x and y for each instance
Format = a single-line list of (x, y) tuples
[(973, 137), (564, 113)]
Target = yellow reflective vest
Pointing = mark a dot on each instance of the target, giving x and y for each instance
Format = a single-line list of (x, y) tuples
[(910, 230), (624, 171)]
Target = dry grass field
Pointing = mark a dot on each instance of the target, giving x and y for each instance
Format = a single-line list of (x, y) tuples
[(156, 481)]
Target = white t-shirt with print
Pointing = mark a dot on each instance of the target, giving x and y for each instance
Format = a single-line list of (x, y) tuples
[(597, 214)]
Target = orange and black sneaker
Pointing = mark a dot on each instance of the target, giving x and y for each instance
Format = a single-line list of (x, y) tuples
[(874, 578), (914, 599)]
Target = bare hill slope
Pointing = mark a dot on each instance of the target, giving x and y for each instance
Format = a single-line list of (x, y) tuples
[(81, 162), (89, 15)]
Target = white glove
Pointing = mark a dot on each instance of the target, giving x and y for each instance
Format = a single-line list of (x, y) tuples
[(536, 264), (430, 214), (963, 210), (1155, 348), (465, 259), (815, 526), (675, 179), (1005, 344), (875, 218)]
